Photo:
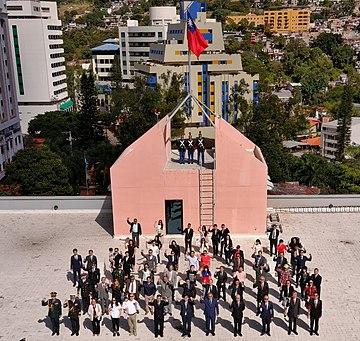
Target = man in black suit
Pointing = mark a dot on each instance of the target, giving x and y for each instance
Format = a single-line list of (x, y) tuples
[(237, 307), (293, 312), (237, 288), (315, 314), (215, 239), (159, 312), (316, 278), (223, 233), (263, 290), (273, 238), (267, 314), (221, 282), (188, 289), (189, 233), (186, 313), (211, 288), (135, 230), (90, 259), (94, 278), (76, 266), (260, 260)]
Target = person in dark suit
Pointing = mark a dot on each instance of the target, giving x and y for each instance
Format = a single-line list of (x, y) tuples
[(54, 312), (90, 259), (76, 266), (273, 238), (267, 314), (285, 295), (133, 287), (315, 313), (127, 264), (300, 264), (237, 307), (94, 278), (260, 260), (210, 288), (189, 233), (263, 290), (293, 312), (84, 288), (188, 289), (74, 311), (224, 232), (186, 313), (135, 230), (211, 309), (159, 312), (221, 282), (237, 288), (215, 239), (316, 278), (172, 259)]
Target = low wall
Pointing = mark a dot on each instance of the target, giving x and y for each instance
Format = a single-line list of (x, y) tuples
[(103, 203)]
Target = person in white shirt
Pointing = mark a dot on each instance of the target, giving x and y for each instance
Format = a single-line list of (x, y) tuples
[(193, 260), (115, 312), (131, 308), (94, 312)]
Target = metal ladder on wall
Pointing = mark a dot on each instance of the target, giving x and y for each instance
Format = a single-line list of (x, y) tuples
[(206, 197)]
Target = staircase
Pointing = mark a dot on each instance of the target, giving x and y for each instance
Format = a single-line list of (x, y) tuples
[(206, 197)]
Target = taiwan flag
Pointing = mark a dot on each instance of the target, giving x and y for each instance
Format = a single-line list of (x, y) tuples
[(196, 41)]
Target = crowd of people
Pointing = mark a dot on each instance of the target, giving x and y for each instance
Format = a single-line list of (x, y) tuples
[(138, 279)]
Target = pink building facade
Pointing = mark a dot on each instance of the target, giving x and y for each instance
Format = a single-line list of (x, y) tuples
[(148, 185)]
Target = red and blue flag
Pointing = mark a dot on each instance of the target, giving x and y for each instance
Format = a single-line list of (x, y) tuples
[(196, 42)]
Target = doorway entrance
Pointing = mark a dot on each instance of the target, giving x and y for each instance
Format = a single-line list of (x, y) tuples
[(174, 216)]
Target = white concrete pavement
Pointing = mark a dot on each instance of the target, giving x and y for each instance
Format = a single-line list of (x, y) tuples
[(35, 250)]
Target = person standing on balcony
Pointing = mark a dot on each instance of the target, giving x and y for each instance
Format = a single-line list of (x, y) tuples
[(190, 144), (181, 144), (200, 145)]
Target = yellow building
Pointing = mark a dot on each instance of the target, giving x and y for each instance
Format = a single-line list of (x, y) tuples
[(283, 21)]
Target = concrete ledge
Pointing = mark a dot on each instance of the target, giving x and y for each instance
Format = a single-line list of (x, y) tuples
[(104, 204)]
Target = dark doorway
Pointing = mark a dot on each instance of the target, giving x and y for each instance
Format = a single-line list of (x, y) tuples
[(174, 216)]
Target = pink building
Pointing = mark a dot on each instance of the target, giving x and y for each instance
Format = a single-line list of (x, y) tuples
[(147, 183)]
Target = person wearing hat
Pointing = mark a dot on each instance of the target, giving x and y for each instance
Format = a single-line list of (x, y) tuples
[(182, 149), (85, 289), (74, 311), (54, 312), (200, 145), (190, 145), (159, 312)]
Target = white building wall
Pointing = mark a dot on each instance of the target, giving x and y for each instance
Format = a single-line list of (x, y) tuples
[(10, 132), (40, 53)]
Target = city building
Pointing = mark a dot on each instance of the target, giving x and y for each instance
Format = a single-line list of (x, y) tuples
[(232, 190), (10, 133), (215, 75), (329, 134), (135, 40), (37, 48), (102, 60), (278, 21)]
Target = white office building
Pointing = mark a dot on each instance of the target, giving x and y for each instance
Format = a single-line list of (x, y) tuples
[(37, 47), (10, 132), (329, 135), (135, 40)]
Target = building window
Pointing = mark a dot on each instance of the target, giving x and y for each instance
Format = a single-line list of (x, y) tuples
[(18, 60), (14, 8)]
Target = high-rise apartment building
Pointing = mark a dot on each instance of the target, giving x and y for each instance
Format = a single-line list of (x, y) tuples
[(135, 40), (215, 76), (280, 21), (10, 132), (37, 47)]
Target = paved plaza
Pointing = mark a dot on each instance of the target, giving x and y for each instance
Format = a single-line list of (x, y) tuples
[(35, 250)]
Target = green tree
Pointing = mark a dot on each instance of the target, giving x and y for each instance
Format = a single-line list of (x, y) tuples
[(344, 122), (39, 171), (90, 129)]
